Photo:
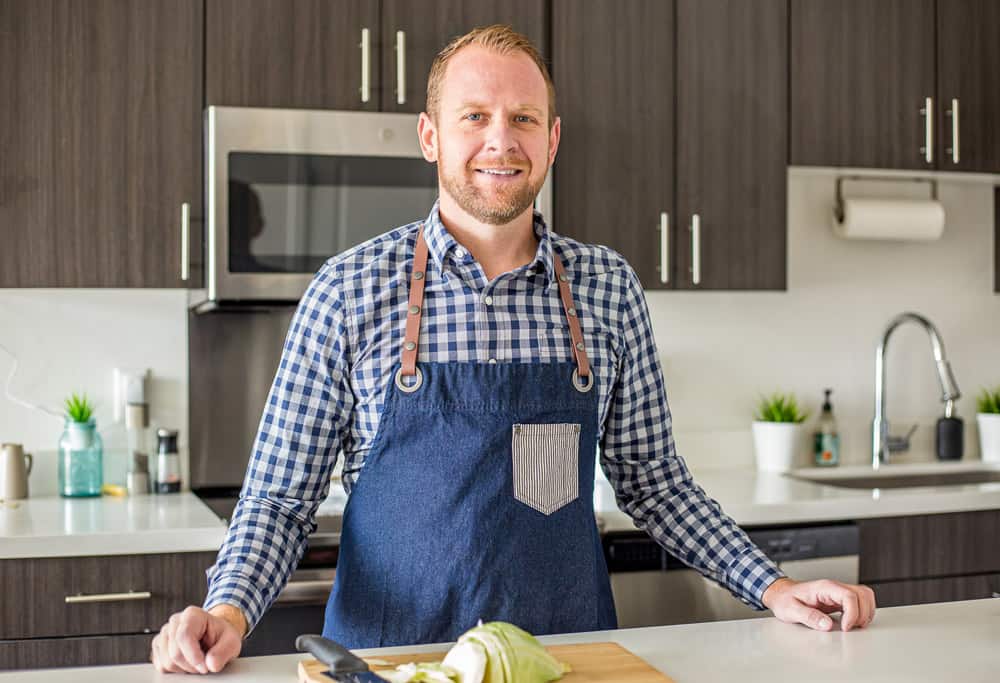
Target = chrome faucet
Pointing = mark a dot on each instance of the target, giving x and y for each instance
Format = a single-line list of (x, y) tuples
[(882, 443)]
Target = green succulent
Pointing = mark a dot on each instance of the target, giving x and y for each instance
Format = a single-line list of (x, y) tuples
[(779, 407), (79, 408), (988, 401)]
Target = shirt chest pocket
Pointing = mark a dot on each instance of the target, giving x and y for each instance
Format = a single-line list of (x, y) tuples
[(546, 459)]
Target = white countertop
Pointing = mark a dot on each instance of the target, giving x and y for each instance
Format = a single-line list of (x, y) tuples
[(755, 498), (954, 641), (106, 525)]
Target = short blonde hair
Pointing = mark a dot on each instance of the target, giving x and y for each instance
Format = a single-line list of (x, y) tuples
[(499, 38)]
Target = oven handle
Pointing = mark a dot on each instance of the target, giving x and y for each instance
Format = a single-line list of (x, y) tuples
[(305, 592)]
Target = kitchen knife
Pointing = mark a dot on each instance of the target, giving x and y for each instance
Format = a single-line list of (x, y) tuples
[(344, 665)]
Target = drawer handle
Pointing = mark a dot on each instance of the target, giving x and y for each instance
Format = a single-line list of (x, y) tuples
[(108, 597), (313, 592)]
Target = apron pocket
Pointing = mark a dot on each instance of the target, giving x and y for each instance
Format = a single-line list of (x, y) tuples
[(546, 465)]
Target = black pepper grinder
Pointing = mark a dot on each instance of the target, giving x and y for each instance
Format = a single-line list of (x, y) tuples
[(949, 437)]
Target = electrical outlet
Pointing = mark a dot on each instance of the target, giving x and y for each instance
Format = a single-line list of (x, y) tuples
[(129, 387)]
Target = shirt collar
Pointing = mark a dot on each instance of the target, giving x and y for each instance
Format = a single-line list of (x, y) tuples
[(440, 242)]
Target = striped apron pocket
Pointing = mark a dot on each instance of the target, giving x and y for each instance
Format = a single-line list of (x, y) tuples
[(546, 465)]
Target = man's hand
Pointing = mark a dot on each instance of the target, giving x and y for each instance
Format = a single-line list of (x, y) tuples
[(809, 603), (196, 641)]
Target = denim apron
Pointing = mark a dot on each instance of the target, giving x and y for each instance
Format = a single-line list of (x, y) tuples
[(475, 500)]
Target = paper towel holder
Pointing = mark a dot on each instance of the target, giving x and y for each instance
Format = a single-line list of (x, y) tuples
[(838, 207)]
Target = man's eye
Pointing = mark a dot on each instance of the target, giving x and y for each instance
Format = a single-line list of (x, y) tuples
[(474, 117), (523, 118)]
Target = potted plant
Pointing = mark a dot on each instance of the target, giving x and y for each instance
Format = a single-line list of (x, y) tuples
[(81, 471), (988, 420), (777, 432)]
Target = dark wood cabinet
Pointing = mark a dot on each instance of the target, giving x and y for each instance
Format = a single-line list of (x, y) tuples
[(704, 210), (860, 74), (613, 67), (427, 26), (732, 144), (101, 144), (968, 68), (54, 607), (300, 55), (931, 558)]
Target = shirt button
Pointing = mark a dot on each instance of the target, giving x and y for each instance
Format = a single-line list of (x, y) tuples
[(493, 361), (460, 252), (488, 300)]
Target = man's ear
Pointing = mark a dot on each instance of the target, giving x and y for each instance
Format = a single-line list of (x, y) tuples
[(427, 134), (554, 139)]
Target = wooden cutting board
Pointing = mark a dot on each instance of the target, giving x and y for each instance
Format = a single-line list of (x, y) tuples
[(593, 662)]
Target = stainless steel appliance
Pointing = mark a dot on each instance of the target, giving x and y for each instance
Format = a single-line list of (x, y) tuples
[(286, 189), (652, 588)]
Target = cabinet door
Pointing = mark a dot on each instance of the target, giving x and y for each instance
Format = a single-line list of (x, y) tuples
[(305, 54), (860, 74), (428, 25), (43, 653), (946, 589), (732, 143), (100, 132), (969, 75), (613, 67)]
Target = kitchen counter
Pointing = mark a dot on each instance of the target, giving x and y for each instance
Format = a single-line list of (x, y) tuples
[(953, 641), (66, 527), (755, 498)]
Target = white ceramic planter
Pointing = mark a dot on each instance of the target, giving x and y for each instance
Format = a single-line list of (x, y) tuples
[(989, 436), (776, 445)]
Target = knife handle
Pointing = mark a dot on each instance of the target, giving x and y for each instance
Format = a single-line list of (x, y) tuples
[(333, 654)]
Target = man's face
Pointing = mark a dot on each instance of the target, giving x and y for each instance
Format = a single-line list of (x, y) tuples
[(491, 140)]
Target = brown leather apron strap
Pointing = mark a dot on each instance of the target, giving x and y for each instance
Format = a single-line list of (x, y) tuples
[(579, 350), (415, 306)]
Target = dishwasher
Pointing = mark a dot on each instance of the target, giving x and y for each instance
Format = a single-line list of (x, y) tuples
[(653, 588)]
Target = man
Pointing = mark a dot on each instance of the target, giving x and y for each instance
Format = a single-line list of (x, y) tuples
[(468, 366)]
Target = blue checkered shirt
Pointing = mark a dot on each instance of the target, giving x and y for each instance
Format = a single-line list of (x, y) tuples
[(344, 344)]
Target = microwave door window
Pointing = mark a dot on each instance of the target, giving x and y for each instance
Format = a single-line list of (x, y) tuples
[(289, 213)]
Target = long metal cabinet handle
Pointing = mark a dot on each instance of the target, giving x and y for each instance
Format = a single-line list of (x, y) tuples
[(316, 591), (664, 247), (185, 241), (695, 249), (953, 113), (108, 597), (400, 67), (928, 112), (366, 65)]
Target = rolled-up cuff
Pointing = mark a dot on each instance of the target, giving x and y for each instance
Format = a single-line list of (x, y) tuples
[(750, 575)]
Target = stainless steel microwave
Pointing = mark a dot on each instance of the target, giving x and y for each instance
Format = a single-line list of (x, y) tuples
[(286, 189)]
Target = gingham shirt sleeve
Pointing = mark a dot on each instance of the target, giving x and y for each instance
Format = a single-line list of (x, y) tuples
[(652, 483), (306, 413)]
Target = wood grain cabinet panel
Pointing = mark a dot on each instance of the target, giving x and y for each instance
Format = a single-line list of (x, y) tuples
[(928, 546), (300, 55), (429, 25), (100, 140), (969, 71), (732, 144), (36, 589), (860, 73), (923, 591), (43, 653), (613, 67)]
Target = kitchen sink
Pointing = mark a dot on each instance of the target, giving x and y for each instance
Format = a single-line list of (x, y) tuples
[(895, 480)]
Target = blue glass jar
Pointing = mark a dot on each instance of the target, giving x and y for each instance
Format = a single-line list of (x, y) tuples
[(81, 467)]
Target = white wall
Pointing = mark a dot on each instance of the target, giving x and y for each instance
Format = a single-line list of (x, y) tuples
[(720, 350), (70, 340)]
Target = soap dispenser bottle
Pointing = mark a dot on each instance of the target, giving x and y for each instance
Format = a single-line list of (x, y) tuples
[(948, 442), (826, 441)]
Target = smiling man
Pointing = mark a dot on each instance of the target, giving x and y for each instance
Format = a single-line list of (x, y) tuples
[(468, 366)]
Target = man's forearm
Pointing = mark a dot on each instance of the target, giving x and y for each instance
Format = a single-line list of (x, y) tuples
[(234, 615)]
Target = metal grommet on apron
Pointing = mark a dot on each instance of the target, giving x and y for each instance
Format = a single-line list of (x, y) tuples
[(475, 500)]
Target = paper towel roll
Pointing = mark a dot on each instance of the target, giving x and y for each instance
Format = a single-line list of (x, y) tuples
[(890, 219)]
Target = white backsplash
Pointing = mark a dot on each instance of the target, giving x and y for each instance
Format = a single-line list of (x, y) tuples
[(719, 350), (70, 340)]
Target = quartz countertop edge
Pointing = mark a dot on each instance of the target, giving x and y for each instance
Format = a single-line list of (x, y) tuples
[(938, 642), (140, 525)]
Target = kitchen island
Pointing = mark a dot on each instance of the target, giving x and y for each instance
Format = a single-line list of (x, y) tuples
[(957, 641)]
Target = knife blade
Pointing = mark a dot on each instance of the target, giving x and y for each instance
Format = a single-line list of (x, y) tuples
[(344, 665)]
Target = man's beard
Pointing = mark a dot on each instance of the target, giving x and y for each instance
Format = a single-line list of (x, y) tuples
[(501, 208)]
